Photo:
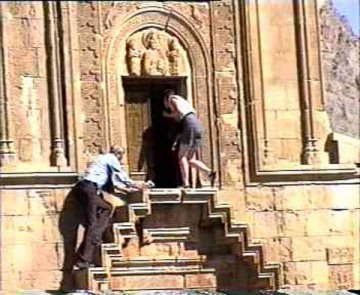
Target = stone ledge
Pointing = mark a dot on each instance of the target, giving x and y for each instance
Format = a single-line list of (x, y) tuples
[(38, 178), (305, 173)]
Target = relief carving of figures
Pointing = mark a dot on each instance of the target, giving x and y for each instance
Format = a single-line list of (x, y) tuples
[(154, 53), (154, 59), (175, 57), (133, 58)]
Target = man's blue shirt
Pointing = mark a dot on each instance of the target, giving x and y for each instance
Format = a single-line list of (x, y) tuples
[(103, 168)]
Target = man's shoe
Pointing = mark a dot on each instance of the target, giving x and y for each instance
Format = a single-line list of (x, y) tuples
[(83, 264)]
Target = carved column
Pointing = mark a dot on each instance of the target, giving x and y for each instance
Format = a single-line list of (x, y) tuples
[(251, 55), (310, 154), (267, 156), (56, 116), (7, 151)]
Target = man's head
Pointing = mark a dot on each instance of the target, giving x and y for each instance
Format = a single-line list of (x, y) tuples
[(167, 94), (117, 151)]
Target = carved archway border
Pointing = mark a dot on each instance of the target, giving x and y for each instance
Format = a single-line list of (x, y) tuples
[(178, 26)]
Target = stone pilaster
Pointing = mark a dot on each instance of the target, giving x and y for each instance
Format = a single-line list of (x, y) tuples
[(7, 151), (57, 140)]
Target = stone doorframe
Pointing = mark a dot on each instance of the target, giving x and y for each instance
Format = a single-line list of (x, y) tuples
[(200, 64)]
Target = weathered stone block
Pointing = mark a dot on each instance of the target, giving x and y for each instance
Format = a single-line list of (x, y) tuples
[(340, 255), (317, 223), (341, 277), (292, 198), (47, 280), (22, 256), (342, 222), (318, 197), (288, 123), (265, 225), (53, 232), (306, 273), (7, 230), (200, 281), (41, 202), (13, 202), (28, 229), (48, 258), (344, 196), (291, 223), (260, 200), (27, 65), (278, 249), (276, 94), (145, 282), (308, 248)]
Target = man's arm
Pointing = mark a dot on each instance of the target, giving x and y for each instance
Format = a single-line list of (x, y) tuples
[(121, 178), (169, 115)]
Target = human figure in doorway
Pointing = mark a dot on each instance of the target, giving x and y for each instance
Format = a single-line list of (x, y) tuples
[(104, 172), (189, 140)]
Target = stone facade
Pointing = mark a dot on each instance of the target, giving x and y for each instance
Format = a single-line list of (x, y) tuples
[(76, 77)]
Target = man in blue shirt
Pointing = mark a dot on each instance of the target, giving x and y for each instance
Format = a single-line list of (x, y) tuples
[(99, 177)]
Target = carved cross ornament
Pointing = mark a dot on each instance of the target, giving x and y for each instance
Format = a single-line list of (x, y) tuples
[(154, 53)]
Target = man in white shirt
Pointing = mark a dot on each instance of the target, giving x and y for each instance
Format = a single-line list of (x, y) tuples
[(190, 137)]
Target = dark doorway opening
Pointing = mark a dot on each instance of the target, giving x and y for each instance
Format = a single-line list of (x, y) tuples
[(146, 126)]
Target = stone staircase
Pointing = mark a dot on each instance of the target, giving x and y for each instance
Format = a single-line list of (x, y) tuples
[(194, 245)]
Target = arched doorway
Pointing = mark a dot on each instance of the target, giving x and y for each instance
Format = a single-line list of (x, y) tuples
[(132, 33), (149, 134)]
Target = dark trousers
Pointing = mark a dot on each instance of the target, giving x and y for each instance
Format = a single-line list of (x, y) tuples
[(97, 213)]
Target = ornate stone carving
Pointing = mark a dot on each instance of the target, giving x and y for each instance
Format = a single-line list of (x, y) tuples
[(175, 57), (114, 10), (154, 58), (197, 52), (155, 53), (133, 58), (195, 14), (90, 69)]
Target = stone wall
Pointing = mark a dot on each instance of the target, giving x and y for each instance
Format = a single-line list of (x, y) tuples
[(26, 81), (341, 63), (312, 230), (34, 228)]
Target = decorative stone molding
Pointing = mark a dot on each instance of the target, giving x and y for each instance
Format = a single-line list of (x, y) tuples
[(310, 148), (57, 129), (178, 28), (262, 166)]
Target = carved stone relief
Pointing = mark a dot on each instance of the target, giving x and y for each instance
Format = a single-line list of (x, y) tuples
[(133, 57), (24, 9), (197, 14), (115, 10), (90, 71), (137, 26), (154, 53)]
